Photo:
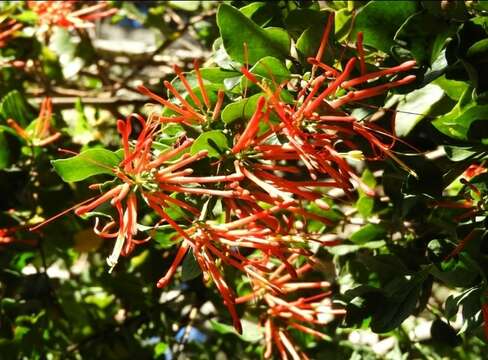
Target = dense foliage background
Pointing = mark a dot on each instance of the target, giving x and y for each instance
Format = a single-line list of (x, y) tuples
[(411, 268)]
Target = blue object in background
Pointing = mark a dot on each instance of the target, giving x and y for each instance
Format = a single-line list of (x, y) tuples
[(134, 24), (194, 335)]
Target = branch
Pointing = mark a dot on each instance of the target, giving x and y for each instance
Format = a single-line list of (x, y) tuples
[(67, 102)]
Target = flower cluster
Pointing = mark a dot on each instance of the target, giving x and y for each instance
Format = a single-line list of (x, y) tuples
[(65, 14), (273, 184), (288, 308)]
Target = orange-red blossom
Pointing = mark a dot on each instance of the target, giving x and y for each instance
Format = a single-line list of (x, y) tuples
[(261, 182), (288, 309), (152, 176), (64, 13), (7, 30), (41, 134)]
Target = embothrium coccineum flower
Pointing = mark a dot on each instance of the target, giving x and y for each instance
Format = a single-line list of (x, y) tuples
[(65, 14), (136, 173), (40, 133), (288, 309), (196, 110), (153, 177), (262, 184)]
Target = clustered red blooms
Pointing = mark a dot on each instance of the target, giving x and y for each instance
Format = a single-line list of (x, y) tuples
[(64, 13), (288, 310), (41, 133), (272, 184)]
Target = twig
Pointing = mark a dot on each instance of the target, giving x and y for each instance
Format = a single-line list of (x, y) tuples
[(68, 101)]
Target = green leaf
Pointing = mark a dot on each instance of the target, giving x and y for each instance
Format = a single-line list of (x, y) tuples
[(186, 5), (341, 250), (27, 16), (414, 106), (453, 88), (401, 299), (100, 299), (214, 141), (164, 236), (479, 48), (242, 109), (217, 75), (173, 210), (342, 23), (309, 42), (261, 12), (456, 272), (268, 68), (385, 266), (458, 122), (169, 134), (160, 349), (368, 233), (4, 151), (88, 163), (251, 8), (190, 268), (380, 20), (424, 36), (50, 64), (298, 20), (236, 29), (130, 10), (365, 203), (14, 106), (470, 302), (457, 153), (78, 127), (251, 332)]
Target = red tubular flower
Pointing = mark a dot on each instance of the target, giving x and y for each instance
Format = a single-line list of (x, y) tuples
[(360, 49), (41, 134), (137, 172), (154, 177), (8, 236), (371, 92), (7, 30), (407, 65), (324, 40), (332, 87), (186, 112), (316, 123), (226, 241), (271, 182), (474, 170), (289, 311), (63, 13), (251, 128)]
